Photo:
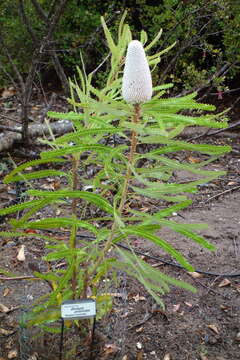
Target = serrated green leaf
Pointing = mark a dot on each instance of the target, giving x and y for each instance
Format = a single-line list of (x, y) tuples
[(157, 275), (7, 272), (66, 116), (160, 53), (50, 276), (37, 175), (75, 149), (109, 38), (121, 25), (184, 230), (143, 37), (160, 189), (157, 173), (172, 105), (174, 208), (162, 87), (52, 223), (175, 145), (114, 109), (52, 330), (79, 134), (154, 41), (20, 234), (176, 165), (31, 212), (45, 317), (29, 164), (62, 254), (95, 199), (162, 243), (18, 207)]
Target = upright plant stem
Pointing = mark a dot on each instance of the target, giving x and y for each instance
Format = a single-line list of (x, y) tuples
[(75, 165), (135, 120)]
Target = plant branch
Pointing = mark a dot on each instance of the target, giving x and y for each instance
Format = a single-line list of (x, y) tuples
[(75, 165), (26, 21), (39, 10), (14, 67), (108, 244), (136, 119), (58, 67)]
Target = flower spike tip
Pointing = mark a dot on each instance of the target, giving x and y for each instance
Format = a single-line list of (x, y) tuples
[(137, 80)]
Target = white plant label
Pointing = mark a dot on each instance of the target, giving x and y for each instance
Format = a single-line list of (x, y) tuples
[(78, 309)]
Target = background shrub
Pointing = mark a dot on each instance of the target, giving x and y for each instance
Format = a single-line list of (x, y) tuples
[(207, 50)]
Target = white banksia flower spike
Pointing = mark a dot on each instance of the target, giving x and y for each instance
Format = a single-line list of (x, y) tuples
[(137, 79)]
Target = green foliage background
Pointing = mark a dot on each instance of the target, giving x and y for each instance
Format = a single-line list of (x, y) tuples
[(207, 34)]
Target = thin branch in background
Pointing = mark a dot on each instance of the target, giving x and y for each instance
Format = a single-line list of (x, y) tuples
[(14, 67), (37, 54), (10, 118), (26, 21), (227, 91), (40, 88), (101, 64), (9, 76), (39, 10), (220, 72), (221, 193), (52, 8), (58, 67), (211, 133)]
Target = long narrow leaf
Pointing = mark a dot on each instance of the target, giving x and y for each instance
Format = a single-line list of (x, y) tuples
[(92, 198), (8, 178), (162, 243), (52, 223)]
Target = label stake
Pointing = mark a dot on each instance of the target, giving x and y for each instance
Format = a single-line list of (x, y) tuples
[(61, 340), (75, 310)]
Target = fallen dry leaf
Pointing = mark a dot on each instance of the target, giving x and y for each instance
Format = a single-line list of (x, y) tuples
[(56, 185), (232, 183), (167, 357), (6, 310), (12, 354), (213, 328), (21, 255), (139, 345), (34, 356), (193, 160), (6, 292), (157, 264), (224, 282), (203, 357), (138, 298), (8, 92), (238, 337), (237, 287), (176, 307), (109, 349), (3, 308), (153, 353), (6, 332), (195, 275)]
